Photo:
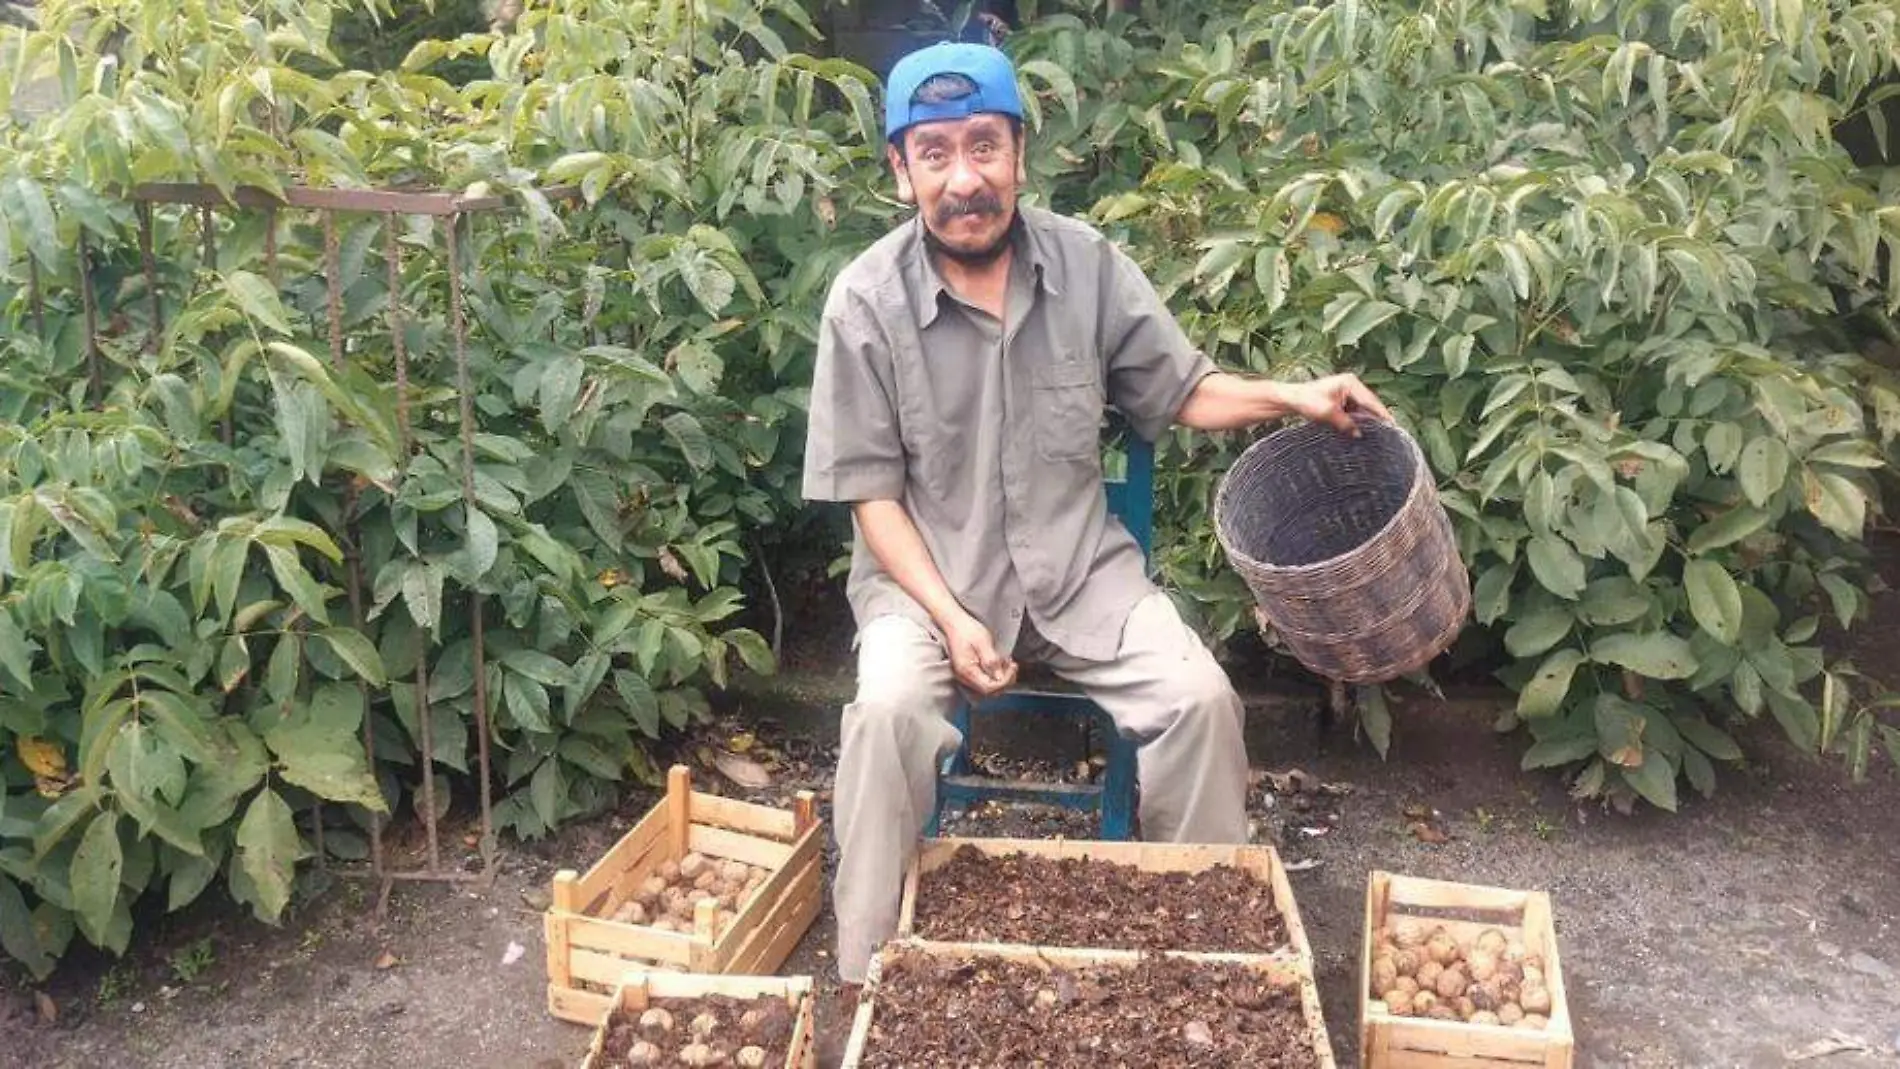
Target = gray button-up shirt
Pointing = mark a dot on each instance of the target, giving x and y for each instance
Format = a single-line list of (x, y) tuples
[(989, 433)]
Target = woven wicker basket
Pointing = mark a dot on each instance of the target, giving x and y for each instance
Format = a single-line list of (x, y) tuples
[(1347, 550)]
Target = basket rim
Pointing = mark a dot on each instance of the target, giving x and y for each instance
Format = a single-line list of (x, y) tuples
[(1421, 480)]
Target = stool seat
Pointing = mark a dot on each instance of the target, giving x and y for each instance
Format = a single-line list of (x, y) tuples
[(1130, 500)]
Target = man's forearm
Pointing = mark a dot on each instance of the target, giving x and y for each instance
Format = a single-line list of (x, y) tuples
[(893, 539), (1225, 402)]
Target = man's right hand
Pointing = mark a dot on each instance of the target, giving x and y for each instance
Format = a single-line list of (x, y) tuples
[(974, 657)]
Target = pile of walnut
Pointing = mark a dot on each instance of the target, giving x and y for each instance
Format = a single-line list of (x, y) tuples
[(1425, 972), (706, 1040), (667, 899)]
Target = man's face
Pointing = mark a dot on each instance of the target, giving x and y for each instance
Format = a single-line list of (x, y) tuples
[(963, 175)]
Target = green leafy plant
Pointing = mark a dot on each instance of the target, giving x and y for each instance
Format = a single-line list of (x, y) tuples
[(1594, 256), (230, 553)]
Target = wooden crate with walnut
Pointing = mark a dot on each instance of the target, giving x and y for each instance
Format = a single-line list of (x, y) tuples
[(754, 889)]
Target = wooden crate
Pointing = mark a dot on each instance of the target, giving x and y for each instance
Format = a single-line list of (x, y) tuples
[(636, 991), (588, 953), (1388, 1042), (1281, 972), (1262, 861)]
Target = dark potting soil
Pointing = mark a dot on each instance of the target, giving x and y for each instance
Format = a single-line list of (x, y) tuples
[(976, 1013), (1018, 898), (770, 1029)]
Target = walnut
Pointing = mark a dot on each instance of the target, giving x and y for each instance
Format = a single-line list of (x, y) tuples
[(1384, 974), (1452, 982), (1492, 942), (704, 1026), (643, 1053), (1535, 999), (1408, 935), (656, 1022), (751, 1058)]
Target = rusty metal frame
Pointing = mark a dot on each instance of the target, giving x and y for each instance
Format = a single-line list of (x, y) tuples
[(454, 209)]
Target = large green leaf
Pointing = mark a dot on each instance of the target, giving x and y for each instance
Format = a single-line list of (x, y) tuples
[(1537, 632), (258, 298), (95, 876), (1763, 470), (1615, 599), (1544, 693), (539, 667), (149, 779), (267, 853), (356, 651), (1727, 529), (1835, 501), (1556, 565), (1708, 738), (1654, 779), (1551, 753), (1657, 655), (1713, 599), (16, 650), (339, 774), (18, 937)]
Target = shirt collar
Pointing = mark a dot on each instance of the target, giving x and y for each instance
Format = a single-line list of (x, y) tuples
[(928, 282)]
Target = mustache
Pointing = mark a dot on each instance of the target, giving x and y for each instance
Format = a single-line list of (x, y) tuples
[(981, 204)]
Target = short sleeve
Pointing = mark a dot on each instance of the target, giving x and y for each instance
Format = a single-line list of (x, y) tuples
[(1152, 367), (854, 450)]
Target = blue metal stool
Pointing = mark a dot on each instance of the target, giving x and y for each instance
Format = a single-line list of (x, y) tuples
[(1131, 499)]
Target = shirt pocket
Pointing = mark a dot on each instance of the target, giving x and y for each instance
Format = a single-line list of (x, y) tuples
[(1068, 407)]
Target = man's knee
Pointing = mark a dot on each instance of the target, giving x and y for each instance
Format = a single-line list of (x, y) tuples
[(1203, 691), (894, 705)]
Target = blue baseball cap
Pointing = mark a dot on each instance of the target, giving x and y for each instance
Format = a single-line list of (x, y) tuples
[(987, 67)]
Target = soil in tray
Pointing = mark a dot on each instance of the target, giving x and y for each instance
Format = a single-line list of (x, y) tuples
[(1018, 898), (976, 1013), (710, 1030)]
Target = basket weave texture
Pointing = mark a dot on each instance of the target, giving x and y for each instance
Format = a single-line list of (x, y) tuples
[(1346, 548)]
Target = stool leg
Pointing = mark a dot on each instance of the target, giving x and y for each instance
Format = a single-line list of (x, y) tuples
[(1118, 789), (957, 764)]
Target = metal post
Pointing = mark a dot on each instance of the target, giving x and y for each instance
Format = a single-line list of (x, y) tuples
[(459, 328)]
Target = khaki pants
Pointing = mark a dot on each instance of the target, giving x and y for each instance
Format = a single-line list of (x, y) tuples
[(1165, 691)]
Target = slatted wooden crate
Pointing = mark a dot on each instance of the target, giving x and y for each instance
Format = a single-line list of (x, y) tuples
[(589, 953), (1465, 910), (639, 988), (1263, 862), (1280, 972)]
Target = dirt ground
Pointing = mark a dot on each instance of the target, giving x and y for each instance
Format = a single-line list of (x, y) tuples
[(1760, 928)]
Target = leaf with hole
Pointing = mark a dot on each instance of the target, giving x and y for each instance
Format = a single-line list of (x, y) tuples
[(1656, 655), (1543, 694)]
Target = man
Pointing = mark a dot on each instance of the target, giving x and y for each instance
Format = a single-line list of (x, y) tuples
[(964, 364)]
